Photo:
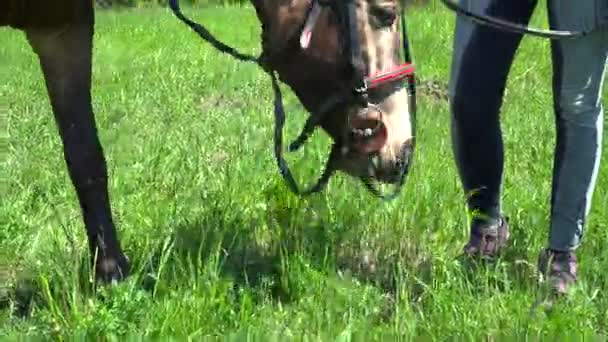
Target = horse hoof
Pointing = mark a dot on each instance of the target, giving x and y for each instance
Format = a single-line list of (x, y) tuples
[(112, 270)]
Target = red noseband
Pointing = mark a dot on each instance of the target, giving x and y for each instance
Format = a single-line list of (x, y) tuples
[(398, 73)]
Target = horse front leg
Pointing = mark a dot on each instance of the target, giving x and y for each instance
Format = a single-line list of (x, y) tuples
[(65, 58)]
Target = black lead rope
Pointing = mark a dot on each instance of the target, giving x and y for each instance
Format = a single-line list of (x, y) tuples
[(207, 36), (279, 111), (354, 50), (279, 118)]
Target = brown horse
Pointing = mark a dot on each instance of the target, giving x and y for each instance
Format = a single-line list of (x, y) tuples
[(340, 57), (61, 34), (347, 56)]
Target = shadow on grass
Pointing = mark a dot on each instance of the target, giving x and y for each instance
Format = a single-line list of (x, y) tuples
[(17, 292), (253, 251), (275, 255), (264, 253)]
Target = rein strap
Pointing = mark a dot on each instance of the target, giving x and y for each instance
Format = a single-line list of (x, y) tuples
[(279, 111), (510, 26)]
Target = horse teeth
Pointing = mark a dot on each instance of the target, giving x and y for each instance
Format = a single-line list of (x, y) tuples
[(364, 133)]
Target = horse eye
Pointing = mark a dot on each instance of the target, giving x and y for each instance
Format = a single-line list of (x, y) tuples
[(385, 16)]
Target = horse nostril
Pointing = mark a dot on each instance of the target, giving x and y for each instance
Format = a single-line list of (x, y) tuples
[(407, 155), (404, 161), (408, 150), (399, 166)]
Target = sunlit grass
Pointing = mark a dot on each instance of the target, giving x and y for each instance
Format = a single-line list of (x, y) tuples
[(219, 245)]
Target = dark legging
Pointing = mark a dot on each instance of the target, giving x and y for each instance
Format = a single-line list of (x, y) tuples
[(481, 62)]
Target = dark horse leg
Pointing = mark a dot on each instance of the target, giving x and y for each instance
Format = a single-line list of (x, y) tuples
[(65, 53)]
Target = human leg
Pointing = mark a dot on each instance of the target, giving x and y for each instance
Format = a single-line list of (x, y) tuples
[(578, 73), (481, 61)]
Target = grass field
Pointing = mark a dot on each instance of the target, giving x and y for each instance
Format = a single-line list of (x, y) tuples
[(221, 247)]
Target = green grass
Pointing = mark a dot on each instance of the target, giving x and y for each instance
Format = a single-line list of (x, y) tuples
[(202, 210)]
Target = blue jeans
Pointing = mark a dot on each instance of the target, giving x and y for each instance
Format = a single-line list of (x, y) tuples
[(481, 61)]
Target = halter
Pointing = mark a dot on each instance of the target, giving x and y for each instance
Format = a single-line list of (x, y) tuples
[(345, 10)]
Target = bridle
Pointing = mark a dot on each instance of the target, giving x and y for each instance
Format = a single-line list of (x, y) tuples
[(358, 92), (512, 27)]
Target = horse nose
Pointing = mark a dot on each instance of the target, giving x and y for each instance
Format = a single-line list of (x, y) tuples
[(408, 152)]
